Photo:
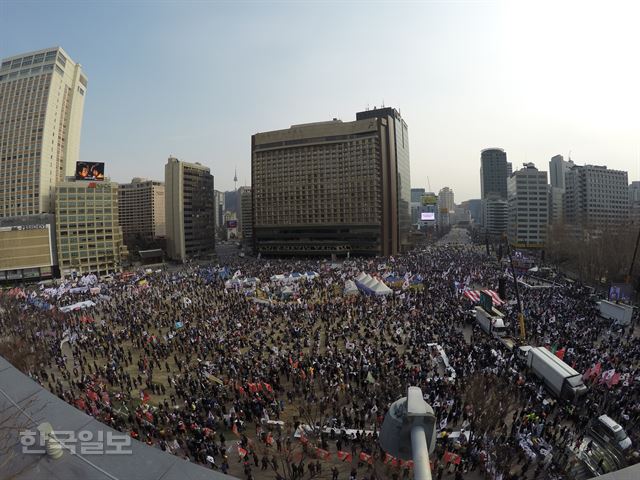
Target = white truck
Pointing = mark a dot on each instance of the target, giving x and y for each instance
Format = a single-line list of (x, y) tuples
[(492, 323), (562, 380), (619, 312)]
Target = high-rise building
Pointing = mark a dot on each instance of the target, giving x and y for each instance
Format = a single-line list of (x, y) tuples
[(493, 172), (41, 105), (220, 207), (495, 214), (556, 205), (396, 171), (446, 200), (245, 223), (333, 187), (190, 210), (596, 198), (417, 194), (28, 248), (475, 210), (416, 204), (141, 210), (88, 232), (557, 169), (528, 200)]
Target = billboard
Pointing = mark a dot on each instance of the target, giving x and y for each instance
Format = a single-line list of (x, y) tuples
[(232, 224), (429, 200), (90, 171), (427, 216), (620, 292)]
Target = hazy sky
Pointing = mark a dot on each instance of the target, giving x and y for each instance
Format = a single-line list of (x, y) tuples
[(195, 79)]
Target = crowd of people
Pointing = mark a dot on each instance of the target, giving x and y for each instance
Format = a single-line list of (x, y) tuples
[(259, 385)]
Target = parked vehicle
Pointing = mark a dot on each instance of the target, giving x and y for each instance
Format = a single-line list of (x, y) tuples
[(607, 429), (562, 380), (492, 323), (619, 312)]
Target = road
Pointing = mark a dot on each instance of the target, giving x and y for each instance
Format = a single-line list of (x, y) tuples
[(458, 236)]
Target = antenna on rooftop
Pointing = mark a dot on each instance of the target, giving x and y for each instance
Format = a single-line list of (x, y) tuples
[(235, 179)]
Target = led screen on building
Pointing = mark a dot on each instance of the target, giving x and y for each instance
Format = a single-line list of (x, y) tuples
[(90, 171), (427, 216), (429, 200)]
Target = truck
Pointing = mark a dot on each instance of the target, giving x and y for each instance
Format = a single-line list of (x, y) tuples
[(559, 378), (491, 322), (619, 312)]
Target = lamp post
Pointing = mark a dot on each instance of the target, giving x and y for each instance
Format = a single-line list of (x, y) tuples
[(409, 432)]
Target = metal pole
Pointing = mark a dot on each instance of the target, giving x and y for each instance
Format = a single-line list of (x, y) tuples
[(420, 453)]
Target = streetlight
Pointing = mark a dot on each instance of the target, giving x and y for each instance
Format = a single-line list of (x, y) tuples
[(409, 432)]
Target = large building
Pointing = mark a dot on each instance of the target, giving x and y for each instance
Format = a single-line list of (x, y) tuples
[(41, 105), (333, 187), (495, 214), (557, 170), (245, 224), (446, 200), (528, 200), (494, 171), (28, 247), (141, 210), (190, 210), (219, 198), (596, 198), (88, 232)]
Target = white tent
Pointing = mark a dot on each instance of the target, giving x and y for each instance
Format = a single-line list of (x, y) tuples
[(370, 282), (360, 278), (381, 289), (350, 288)]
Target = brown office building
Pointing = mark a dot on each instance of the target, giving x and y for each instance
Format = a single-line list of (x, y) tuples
[(141, 210), (333, 187)]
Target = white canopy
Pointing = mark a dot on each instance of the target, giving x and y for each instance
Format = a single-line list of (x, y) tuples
[(350, 287), (381, 289)]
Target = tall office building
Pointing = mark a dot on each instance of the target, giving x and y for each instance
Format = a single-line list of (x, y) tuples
[(141, 210), (41, 105), (493, 172), (557, 169), (596, 198), (87, 227), (446, 200), (528, 201), (416, 204), (634, 202), (220, 207), (332, 187), (396, 171), (245, 223), (189, 209)]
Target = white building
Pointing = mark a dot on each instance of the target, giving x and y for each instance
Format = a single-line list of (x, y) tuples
[(495, 215), (141, 206), (528, 199), (596, 198), (446, 200), (41, 105)]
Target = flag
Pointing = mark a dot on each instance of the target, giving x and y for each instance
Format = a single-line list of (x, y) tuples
[(554, 348), (614, 380), (242, 452), (607, 375), (388, 458), (234, 429), (91, 395), (144, 396), (587, 374), (344, 456), (597, 369), (560, 353), (325, 455), (370, 378), (268, 387), (366, 458), (81, 404), (253, 388), (269, 440), (149, 416)]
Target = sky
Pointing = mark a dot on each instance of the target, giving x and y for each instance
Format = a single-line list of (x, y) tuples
[(195, 79)]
